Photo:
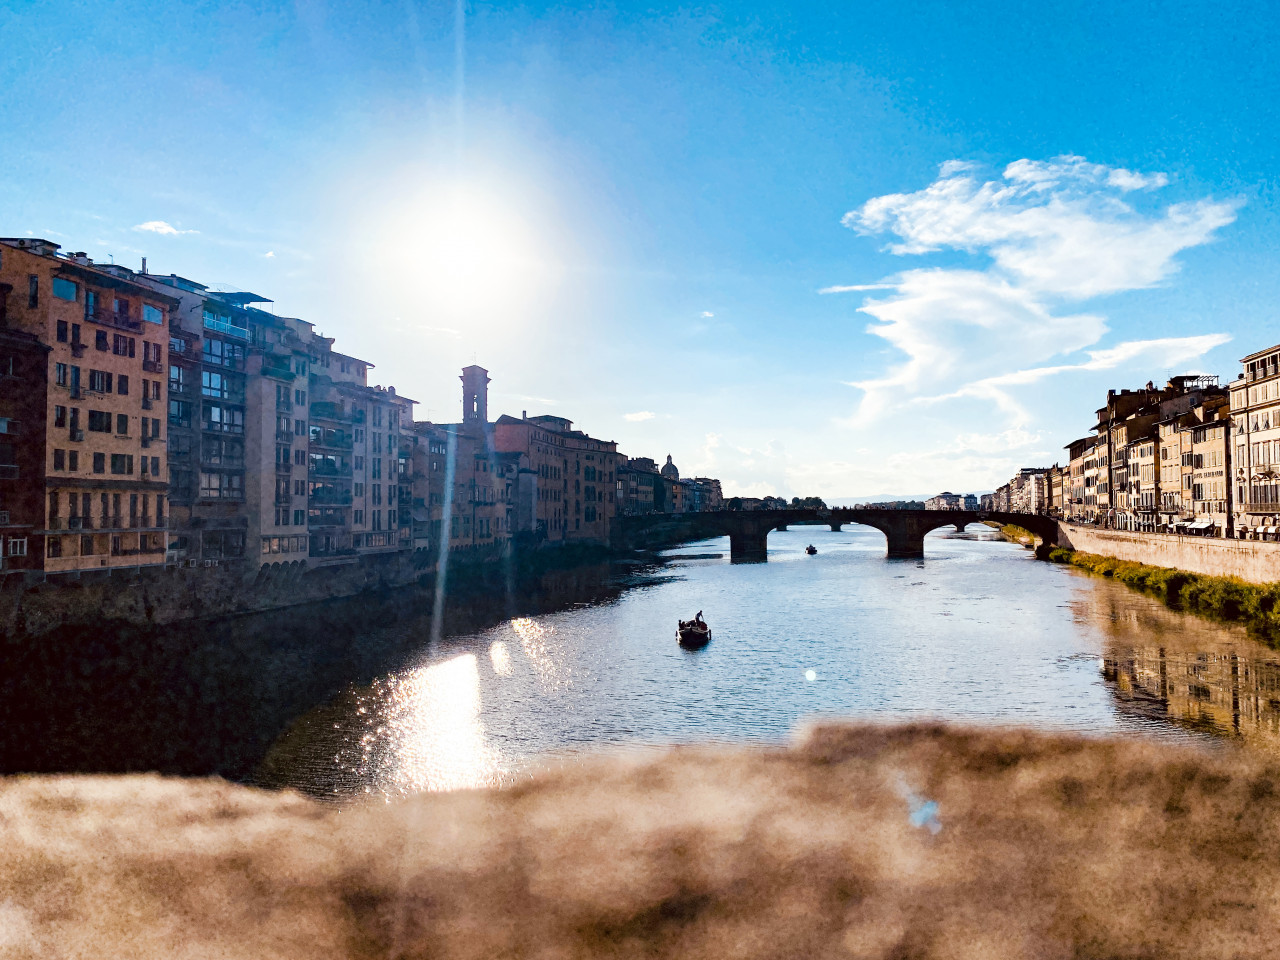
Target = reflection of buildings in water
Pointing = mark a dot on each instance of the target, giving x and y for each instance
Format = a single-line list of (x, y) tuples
[(1221, 691), (1180, 668)]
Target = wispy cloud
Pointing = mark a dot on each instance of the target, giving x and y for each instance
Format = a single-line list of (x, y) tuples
[(162, 228), (1052, 233), (638, 416), (269, 255), (706, 314)]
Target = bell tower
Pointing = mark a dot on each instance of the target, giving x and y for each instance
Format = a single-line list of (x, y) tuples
[(475, 396)]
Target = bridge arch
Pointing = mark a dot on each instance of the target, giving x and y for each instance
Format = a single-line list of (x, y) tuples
[(748, 531)]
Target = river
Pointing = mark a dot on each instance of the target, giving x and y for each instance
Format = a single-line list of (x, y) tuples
[(355, 699)]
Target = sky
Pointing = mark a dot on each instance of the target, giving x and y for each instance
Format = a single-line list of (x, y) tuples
[(844, 250)]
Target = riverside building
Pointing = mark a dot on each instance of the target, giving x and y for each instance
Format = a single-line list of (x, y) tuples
[(105, 471), (1255, 429)]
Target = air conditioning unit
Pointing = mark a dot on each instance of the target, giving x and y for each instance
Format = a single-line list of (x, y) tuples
[(192, 563), (208, 563)]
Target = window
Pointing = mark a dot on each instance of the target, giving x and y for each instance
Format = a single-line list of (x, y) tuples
[(299, 488), (300, 457), (99, 382), (376, 466), (359, 463), (223, 354), (299, 428), (121, 463), (122, 385), (150, 354), (213, 384), (60, 374), (101, 341), (216, 485), (59, 459), (62, 331), (357, 517), (65, 289), (100, 421), (180, 413), (90, 303), (152, 314), (223, 451), (33, 291), (299, 398), (59, 416), (123, 346), (359, 489), (122, 424), (222, 419), (99, 463)]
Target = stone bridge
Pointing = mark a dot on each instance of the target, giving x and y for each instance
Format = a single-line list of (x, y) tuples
[(748, 530)]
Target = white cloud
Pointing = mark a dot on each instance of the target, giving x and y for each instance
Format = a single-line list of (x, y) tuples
[(270, 254), (706, 314), (1047, 234), (162, 228), (638, 416)]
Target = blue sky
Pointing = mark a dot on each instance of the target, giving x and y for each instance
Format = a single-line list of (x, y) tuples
[(628, 214)]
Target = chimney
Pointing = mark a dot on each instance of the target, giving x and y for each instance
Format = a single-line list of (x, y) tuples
[(144, 266)]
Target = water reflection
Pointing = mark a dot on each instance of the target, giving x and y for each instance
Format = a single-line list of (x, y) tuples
[(1192, 673), (342, 703)]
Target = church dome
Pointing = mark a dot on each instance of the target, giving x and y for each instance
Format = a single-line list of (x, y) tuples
[(669, 470)]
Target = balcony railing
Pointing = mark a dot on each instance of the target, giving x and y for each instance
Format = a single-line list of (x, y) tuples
[(279, 371), (326, 410), (152, 366), (330, 439), (339, 498), (329, 470), (283, 467), (1262, 506), (284, 436), (121, 320), (230, 329)]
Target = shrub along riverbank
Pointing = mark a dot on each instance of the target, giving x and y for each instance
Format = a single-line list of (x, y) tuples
[(1257, 605)]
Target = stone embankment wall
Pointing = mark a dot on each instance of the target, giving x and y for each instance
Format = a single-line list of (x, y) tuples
[(162, 595), (1255, 561)]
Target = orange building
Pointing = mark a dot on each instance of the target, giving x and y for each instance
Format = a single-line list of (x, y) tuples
[(105, 470)]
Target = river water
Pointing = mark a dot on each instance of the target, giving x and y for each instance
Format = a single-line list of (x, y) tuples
[(354, 698), (978, 632)]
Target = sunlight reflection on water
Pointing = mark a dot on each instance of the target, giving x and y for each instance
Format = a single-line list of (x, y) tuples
[(979, 632)]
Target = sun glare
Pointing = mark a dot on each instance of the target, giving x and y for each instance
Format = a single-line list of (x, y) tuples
[(471, 253)]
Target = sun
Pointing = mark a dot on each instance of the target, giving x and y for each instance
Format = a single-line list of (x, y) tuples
[(471, 251)]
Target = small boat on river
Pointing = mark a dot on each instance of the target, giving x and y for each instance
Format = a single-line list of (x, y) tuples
[(694, 633), (811, 549)]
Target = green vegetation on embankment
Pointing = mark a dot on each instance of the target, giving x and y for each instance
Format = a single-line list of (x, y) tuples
[(1257, 605)]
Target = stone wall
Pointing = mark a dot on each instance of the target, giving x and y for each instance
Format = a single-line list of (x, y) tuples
[(1255, 561), (872, 842)]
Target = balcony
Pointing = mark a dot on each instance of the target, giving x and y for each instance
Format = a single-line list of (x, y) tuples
[(326, 410), (327, 518), (152, 366), (334, 439), (227, 328), (283, 498), (1261, 506), (147, 404), (282, 467), (78, 348), (112, 319), (329, 470), (337, 498), (282, 370), (284, 436)]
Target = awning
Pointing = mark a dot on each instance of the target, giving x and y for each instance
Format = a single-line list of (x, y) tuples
[(1201, 525)]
